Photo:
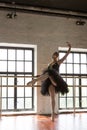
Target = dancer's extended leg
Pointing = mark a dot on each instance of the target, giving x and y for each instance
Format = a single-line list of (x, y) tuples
[(52, 96), (40, 78)]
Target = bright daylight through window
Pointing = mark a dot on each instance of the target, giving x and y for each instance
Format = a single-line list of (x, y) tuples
[(15, 65)]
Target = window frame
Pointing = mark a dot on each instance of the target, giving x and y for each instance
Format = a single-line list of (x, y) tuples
[(15, 79), (79, 51)]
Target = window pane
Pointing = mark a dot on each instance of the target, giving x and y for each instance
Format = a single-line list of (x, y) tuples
[(20, 80), (28, 55), (70, 102), (10, 81), (28, 66), (84, 91), (4, 81), (76, 69), (20, 91), (63, 68), (20, 55), (3, 66), (4, 92), (69, 81), (3, 103), (28, 91), (11, 54), (83, 58), (3, 54), (20, 103), (84, 102), (28, 103), (84, 81), (20, 66), (10, 103), (10, 92), (69, 68), (11, 66), (62, 103), (76, 58), (69, 58), (83, 69)]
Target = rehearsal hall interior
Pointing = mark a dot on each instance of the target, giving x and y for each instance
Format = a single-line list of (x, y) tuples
[(43, 64)]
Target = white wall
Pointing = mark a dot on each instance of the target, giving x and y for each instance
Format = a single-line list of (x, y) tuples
[(47, 32)]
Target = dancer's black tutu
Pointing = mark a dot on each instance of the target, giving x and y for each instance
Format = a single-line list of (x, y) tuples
[(61, 86)]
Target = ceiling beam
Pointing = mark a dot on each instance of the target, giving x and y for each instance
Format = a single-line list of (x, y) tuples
[(44, 11)]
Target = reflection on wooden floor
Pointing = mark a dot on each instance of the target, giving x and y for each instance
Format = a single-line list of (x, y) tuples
[(38, 122)]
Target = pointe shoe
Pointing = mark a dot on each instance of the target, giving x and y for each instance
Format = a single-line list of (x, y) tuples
[(31, 82)]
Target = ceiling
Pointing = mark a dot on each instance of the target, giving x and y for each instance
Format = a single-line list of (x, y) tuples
[(71, 5)]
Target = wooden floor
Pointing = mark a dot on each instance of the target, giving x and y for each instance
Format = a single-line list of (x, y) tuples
[(38, 122)]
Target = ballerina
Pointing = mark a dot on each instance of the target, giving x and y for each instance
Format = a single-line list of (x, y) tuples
[(52, 82)]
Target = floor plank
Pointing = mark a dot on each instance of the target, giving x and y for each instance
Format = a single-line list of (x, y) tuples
[(38, 122)]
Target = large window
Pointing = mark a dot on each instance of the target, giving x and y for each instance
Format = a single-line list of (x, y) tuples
[(74, 65), (15, 65)]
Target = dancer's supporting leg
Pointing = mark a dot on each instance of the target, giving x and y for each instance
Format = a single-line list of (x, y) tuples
[(52, 96)]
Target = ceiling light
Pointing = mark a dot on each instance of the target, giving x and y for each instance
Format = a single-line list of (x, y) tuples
[(80, 22), (12, 14)]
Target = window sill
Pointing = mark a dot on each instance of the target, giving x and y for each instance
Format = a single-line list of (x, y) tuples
[(19, 113)]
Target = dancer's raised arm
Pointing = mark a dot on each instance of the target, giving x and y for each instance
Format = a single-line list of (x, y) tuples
[(65, 56)]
